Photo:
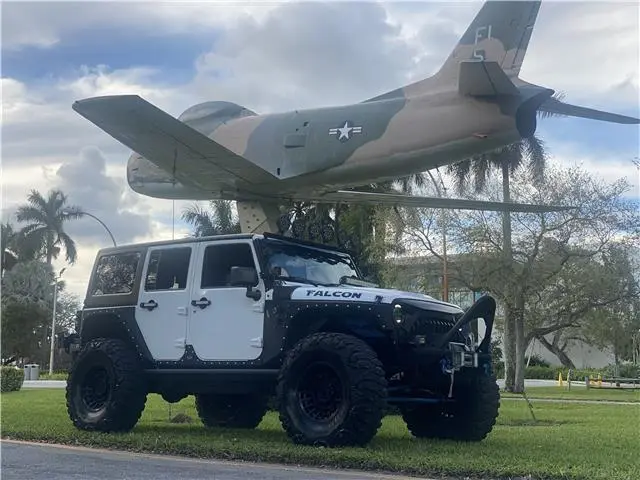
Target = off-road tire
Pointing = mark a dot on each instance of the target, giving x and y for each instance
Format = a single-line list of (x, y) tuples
[(471, 418), (231, 411), (113, 368), (354, 395)]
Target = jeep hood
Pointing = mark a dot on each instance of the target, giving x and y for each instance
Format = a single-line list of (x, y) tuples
[(352, 293)]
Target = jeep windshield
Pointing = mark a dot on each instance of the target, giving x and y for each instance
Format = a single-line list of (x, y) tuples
[(297, 263)]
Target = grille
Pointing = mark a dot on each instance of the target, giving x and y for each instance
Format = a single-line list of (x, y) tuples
[(433, 325)]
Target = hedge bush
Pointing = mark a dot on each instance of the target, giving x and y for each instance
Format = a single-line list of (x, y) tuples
[(11, 379), (537, 372)]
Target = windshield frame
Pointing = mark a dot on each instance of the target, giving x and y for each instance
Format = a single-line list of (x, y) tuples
[(290, 246)]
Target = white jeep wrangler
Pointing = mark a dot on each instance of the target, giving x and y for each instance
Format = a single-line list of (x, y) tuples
[(238, 319)]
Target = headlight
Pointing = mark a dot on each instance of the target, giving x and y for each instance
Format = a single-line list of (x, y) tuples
[(398, 315)]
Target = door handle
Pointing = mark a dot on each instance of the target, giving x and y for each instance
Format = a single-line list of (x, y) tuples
[(202, 303), (150, 305)]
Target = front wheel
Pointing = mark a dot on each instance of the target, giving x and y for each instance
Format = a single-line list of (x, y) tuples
[(331, 391), (470, 417), (105, 389)]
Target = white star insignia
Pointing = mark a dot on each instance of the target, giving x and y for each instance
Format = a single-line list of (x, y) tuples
[(345, 131)]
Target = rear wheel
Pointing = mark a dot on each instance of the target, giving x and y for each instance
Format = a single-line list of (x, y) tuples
[(105, 389), (331, 391), (231, 411), (470, 418)]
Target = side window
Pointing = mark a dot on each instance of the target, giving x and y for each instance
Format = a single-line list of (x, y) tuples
[(168, 269), (115, 274), (218, 260)]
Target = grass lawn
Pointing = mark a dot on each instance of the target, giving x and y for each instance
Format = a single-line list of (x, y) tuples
[(570, 440), (580, 392)]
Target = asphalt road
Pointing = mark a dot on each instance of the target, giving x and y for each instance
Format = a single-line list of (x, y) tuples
[(22, 460)]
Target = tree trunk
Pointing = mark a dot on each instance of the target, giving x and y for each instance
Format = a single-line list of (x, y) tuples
[(557, 351), (49, 246), (521, 344), (509, 350), (510, 339)]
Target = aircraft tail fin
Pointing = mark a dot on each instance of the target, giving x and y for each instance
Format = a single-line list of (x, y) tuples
[(484, 79), (499, 33)]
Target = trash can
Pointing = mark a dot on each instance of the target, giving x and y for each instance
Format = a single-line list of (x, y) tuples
[(32, 371)]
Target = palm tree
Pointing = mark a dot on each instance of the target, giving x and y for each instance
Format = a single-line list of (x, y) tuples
[(45, 219), (218, 221)]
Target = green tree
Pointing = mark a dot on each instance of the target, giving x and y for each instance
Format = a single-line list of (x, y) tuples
[(531, 153), (548, 247), (217, 221), (14, 247), (528, 153), (589, 301), (45, 218), (8, 246), (27, 296), (614, 325)]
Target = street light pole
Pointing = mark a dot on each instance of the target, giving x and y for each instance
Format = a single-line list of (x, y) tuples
[(53, 320), (82, 212)]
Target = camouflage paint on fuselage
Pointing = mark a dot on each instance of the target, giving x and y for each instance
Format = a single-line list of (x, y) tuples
[(309, 141)]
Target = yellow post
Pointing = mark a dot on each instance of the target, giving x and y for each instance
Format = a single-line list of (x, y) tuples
[(559, 379), (599, 379)]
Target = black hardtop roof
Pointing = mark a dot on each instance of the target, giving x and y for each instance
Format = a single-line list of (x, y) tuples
[(230, 236), (177, 241)]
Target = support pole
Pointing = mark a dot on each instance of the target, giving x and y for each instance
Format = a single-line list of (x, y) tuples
[(53, 327), (258, 217), (53, 320)]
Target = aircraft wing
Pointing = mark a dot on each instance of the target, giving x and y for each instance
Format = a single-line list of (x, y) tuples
[(554, 106), (397, 199), (189, 155)]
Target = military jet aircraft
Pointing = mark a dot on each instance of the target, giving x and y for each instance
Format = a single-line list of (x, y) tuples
[(474, 103)]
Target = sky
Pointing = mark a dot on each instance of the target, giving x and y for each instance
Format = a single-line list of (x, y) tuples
[(269, 56)]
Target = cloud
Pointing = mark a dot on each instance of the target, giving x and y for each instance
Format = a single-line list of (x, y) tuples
[(590, 50), (257, 63), (86, 181), (272, 56), (47, 24), (39, 125)]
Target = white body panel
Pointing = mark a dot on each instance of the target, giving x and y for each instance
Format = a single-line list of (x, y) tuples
[(164, 328), (351, 293), (230, 328)]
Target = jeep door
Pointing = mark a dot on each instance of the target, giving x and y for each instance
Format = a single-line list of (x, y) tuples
[(164, 300), (225, 324)]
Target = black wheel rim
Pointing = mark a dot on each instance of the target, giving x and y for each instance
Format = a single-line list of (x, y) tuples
[(320, 392), (95, 389)]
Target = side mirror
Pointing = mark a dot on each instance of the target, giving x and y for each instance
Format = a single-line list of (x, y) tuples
[(243, 277), (246, 277)]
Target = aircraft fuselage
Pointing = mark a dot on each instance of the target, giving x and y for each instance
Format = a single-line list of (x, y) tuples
[(338, 147)]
